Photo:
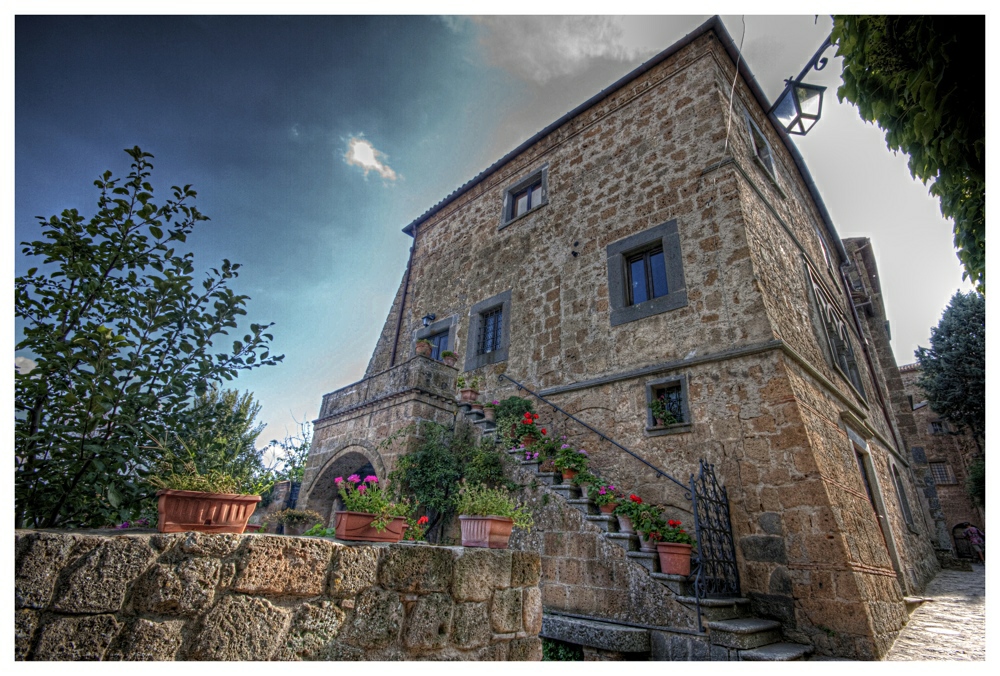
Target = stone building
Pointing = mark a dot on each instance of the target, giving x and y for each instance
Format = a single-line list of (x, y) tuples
[(948, 454), (633, 249)]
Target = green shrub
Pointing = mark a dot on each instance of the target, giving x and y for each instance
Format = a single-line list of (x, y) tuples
[(478, 500), (558, 651)]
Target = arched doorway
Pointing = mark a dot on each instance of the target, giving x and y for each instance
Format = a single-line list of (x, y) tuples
[(323, 496)]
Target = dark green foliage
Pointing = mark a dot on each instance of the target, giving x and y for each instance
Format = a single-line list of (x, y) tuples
[(975, 484), (558, 651), (292, 453), (124, 338), (953, 369), (510, 411), (923, 80)]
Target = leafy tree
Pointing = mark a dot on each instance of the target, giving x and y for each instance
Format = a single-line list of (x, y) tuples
[(923, 80), (292, 453), (123, 338), (953, 369)]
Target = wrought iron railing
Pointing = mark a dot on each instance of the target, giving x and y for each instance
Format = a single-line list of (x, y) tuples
[(715, 574)]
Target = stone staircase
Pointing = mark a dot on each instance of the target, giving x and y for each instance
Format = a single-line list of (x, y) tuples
[(733, 634)]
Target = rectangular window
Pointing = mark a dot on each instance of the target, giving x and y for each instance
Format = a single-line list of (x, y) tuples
[(440, 343), (761, 148), (667, 406), (527, 199), (937, 427), (525, 196), (490, 330), (941, 471), (864, 478), (647, 276), (904, 504)]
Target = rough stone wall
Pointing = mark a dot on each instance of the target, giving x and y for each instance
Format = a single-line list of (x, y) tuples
[(192, 596), (958, 450)]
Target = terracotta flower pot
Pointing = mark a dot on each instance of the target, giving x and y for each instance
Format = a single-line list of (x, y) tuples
[(424, 349), (490, 413), (568, 475), (180, 511), (486, 531), (608, 509), (528, 440), (675, 558), (476, 406), (450, 360), (357, 526), (469, 395), (645, 544), (625, 523)]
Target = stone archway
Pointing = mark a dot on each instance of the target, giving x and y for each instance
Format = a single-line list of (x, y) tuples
[(353, 458)]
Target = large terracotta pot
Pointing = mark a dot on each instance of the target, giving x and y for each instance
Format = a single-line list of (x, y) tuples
[(625, 523), (449, 360), (675, 558), (358, 526), (180, 511), (469, 395), (424, 349), (490, 413), (568, 475), (608, 509), (528, 440), (486, 531)]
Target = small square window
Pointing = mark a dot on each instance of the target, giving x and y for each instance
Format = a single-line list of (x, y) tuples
[(646, 274), (667, 406), (525, 196), (941, 471)]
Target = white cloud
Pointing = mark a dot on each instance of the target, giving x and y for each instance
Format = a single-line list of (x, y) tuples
[(24, 365), (538, 48), (361, 153)]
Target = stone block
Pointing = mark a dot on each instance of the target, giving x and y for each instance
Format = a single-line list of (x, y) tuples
[(479, 571), (97, 583), (377, 619), (495, 652), (25, 624), (471, 625), (341, 652), (429, 624), (767, 548), (281, 566), (145, 640), (531, 604), (185, 588), (215, 545), (417, 569), (505, 611), (526, 569), (315, 625), (525, 650), (40, 558), (83, 638), (240, 628), (354, 569), (770, 523)]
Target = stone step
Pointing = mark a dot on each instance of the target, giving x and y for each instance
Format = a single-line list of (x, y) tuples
[(584, 505), (606, 522), (474, 415), (595, 634), (527, 463), (719, 609), (569, 493), (485, 425), (464, 407), (777, 652), (745, 633), (630, 543), (678, 584), (548, 478), (647, 560)]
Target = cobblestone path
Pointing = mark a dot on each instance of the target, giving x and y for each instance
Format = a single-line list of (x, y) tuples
[(951, 626)]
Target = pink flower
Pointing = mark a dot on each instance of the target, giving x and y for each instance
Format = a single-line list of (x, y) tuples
[(371, 479), (362, 488), (582, 452), (601, 491), (496, 403), (339, 480), (354, 478)]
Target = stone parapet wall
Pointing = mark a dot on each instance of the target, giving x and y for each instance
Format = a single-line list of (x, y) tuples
[(193, 596)]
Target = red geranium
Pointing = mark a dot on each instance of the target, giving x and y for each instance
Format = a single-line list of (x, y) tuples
[(543, 430), (422, 520), (635, 498)]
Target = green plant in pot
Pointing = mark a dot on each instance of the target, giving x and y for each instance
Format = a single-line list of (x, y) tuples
[(469, 389), (674, 548), (370, 515), (449, 357), (661, 412), (606, 496), (571, 461), (424, 347), (650, 525), (584, 480), (488, 515)]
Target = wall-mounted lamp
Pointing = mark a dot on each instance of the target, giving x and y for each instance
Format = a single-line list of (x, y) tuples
[(427, 319), (799, 106)]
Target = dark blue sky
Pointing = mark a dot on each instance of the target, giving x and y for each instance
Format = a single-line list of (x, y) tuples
[(258, 114)]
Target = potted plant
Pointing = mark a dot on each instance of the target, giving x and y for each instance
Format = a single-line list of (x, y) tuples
[(490, 410), (527, 430), (449, 358), (674, 549), (650, 526), (584, 479), (469, 391), (416, 529), (569, 461), (213, 502), (425, 347), (295, 521), (369, 515), (627, 511), (606, 496), (661, 414), (487, 516)]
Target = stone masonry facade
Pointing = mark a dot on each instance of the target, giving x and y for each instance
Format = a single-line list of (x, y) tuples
[(194, 596), (783, 382)]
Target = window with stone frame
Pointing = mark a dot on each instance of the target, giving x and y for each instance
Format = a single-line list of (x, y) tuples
[(761, 149), (488, 340), (673, 393), (646, 274), (525, 196), (836, 335), (904, 504), (439, 343), (441, 334), (938, 427), (942, 473)]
